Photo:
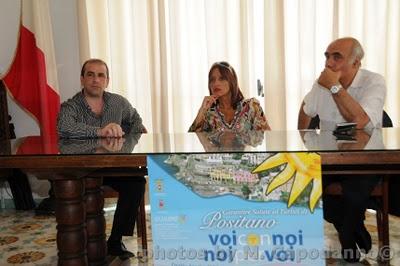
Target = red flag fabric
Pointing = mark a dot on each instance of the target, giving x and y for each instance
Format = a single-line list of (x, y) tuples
[(32, 77), (35, 145)]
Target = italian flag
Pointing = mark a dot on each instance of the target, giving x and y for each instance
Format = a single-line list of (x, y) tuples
[(31, 79)]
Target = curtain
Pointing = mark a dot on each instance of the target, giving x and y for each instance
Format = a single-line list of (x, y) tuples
[(297, 34), (159, 52)]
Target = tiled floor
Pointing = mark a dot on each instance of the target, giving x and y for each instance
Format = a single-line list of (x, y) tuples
[(30, 240)]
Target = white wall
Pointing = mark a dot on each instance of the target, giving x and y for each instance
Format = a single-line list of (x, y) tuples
[(65, 34)]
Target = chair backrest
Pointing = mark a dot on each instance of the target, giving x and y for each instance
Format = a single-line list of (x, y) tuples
[(4, 117), (386, 121), (314, 123)]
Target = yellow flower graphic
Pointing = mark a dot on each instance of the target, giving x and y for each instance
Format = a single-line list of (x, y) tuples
[(304, 167)]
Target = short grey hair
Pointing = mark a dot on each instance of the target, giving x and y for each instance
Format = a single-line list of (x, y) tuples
[(357, 52)]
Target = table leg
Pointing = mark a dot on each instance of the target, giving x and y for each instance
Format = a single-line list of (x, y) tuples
[(95, 222), (70, 217)]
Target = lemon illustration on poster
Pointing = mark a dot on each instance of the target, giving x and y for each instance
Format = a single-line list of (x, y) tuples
[(236, 209)]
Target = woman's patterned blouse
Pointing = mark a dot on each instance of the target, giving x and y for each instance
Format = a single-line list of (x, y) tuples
[(249, 115)]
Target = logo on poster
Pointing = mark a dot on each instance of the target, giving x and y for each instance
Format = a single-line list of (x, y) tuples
[(161, 204), (159, 185)]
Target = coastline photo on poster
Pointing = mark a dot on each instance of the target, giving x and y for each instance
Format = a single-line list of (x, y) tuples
[(236, 209)]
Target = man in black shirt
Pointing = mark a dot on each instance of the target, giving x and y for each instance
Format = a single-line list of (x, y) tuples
[(94, 113)]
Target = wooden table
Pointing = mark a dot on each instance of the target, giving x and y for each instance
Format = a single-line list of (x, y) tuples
[(79, 201), (79, 211)]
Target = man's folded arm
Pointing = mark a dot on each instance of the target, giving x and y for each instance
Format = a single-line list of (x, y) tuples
[(68, 127)]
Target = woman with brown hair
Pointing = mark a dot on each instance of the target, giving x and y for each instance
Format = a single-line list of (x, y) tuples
[(226, 108)]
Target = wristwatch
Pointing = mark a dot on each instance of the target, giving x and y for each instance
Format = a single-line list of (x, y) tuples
[(336, 88)]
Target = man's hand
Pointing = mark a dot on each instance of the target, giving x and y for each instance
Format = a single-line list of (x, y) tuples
[(328, 78), (110, 145), (111, 130), (362, 139)]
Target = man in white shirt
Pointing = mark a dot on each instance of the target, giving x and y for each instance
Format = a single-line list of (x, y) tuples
[(346, 93)]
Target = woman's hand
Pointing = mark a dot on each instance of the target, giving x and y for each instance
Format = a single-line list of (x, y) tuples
[(208, 101)]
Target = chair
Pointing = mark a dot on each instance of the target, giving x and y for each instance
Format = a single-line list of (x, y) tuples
[(380, 193), (17, 180), (4, 131), (4, 117), (386, 121), (108, 192)]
